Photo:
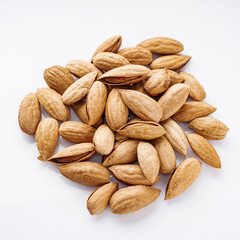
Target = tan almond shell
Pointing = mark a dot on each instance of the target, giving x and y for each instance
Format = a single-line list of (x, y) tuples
[(148, 160), (139, 86), (183, 177), (176, 136), (166, 155), (192, 110), (142, 105), (86, 173), (107, 61), (131, 174), (75, 153), (197, 91), (46, 138), (79, 68), (144, 130), (79, 89), (112, 44), (58, 78), (137, 55), (29, 114), (76, 132), (120, 138), (162, 45), (158, 82), (103, 140), (172, 62), (210, 128), (95, 103), (125, 75), (81, 111), (124, 152), (133, 198), (100, 197), (204, 150), (116, 112), (173, 99), (52, 103)]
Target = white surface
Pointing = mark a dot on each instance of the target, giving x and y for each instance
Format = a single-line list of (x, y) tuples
[(36, 202)]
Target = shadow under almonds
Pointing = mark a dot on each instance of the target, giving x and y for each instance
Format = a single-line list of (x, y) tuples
[(28, 138)]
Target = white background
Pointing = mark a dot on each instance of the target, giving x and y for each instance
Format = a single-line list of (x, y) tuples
[(36, 202)]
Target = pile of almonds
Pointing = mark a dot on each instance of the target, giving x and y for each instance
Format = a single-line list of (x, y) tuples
[(108, 88)]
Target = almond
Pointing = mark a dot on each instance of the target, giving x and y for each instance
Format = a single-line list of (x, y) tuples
[(81, 111), (139, 86)]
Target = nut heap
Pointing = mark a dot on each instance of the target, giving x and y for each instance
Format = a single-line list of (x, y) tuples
[(111, 85)]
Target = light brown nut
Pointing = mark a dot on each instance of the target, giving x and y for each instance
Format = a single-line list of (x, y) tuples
[(103, 140), (176, 136), (107, 61), (144, 130), (166, 155), (124, 152), (81, 111), (46, 138), (95, 103), (158, 82), (173, 99), (204, 150), (210, 128), (192, 110), (120, 138), (142, 105), (110, 45), (58, 78), (133, 198), (86, 173), (99, 199), (125, 75), (116, 112), (137, 55), (132, 175), (197, 91), (139, 86), (52, 103), (29, 114), (78, 152), (79, 89), (172, 62), (183, 177), (148, 160), (162, 45), (76, 132), (79, 68)]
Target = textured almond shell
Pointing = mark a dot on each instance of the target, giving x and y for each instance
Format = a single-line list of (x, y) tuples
[(192, 110), (173, 99), (79, 89), (116, 112), (139, 86), (144, 130), (148, 160), (133, 198), (204, 150), (176, 136), (172, 62), (183, 177), (52, 103), (107, 61), (81, 111), (137, 55), (162, 45), (99, 199), (76, 132), (86, 173), (29, 114), (126, 152), (166, 155), (103, 140), (210, 128), (125, 75), (58, 78), (46, 138), (142, 105), (77, 152)]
